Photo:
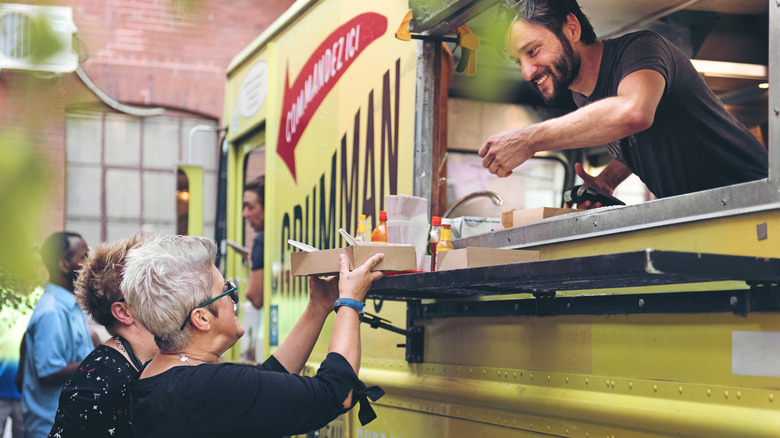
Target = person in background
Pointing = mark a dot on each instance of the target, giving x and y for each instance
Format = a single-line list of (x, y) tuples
[(638, 95), (254, 213), (12, 324), (182, 298), (95, 401), (10, 397), (57, 337)]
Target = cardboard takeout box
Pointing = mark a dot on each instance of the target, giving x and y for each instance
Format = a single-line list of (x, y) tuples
[(516, 218), (326, 262), (477, 257)]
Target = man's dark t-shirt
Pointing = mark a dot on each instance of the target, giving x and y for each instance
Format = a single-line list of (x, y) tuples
[(694, 143), (257, 251)]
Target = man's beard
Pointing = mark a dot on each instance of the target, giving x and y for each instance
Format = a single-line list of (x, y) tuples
[(566, 69)]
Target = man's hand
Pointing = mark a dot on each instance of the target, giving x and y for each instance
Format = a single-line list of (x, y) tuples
[(505, 151), (594, 181)]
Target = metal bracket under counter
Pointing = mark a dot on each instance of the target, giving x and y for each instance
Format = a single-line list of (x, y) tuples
[(602, 273)]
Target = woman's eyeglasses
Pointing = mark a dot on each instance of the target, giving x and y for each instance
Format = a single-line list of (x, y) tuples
[(232, 292)]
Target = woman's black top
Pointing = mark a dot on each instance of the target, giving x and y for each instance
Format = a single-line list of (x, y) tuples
[(235, 400), (96, 399)]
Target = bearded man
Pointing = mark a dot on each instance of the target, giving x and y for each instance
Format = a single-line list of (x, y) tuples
[(638, 95)]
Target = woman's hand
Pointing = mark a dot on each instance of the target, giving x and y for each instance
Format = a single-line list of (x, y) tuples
[(354, 284), (323, 292)]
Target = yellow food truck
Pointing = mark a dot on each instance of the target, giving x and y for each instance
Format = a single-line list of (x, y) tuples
[(658, 318)]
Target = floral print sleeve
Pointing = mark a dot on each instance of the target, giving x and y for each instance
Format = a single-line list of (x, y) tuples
[(95, 401)]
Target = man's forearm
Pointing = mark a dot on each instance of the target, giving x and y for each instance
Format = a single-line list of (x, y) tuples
[(596, 124), (614, 174), (254, 288)]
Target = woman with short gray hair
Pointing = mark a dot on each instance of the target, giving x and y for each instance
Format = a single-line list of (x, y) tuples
[(180, 296), (175, 264)]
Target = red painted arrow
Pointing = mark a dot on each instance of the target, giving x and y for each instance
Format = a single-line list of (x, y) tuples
[(319, 75)]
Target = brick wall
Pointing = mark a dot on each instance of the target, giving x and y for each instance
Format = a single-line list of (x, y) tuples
[(169, 53)]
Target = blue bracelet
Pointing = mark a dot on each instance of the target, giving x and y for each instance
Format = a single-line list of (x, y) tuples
[(357, 305)]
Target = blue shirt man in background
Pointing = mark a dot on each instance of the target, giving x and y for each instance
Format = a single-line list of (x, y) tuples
[(57, 337)]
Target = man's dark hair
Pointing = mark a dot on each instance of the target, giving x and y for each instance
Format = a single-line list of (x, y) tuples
[(57, 247), (552, 14), (257, 185)]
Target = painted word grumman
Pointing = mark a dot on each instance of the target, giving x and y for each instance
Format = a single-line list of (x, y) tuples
[(337, 191)]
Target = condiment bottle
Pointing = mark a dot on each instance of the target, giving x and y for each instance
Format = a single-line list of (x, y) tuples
[(433, 240), (362, 232), (380, 232), (445, 239)]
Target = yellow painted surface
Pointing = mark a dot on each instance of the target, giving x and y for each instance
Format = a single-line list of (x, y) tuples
[(632, 375), (732, 235)]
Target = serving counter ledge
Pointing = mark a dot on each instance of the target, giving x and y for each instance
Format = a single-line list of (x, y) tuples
[(640, 268)]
